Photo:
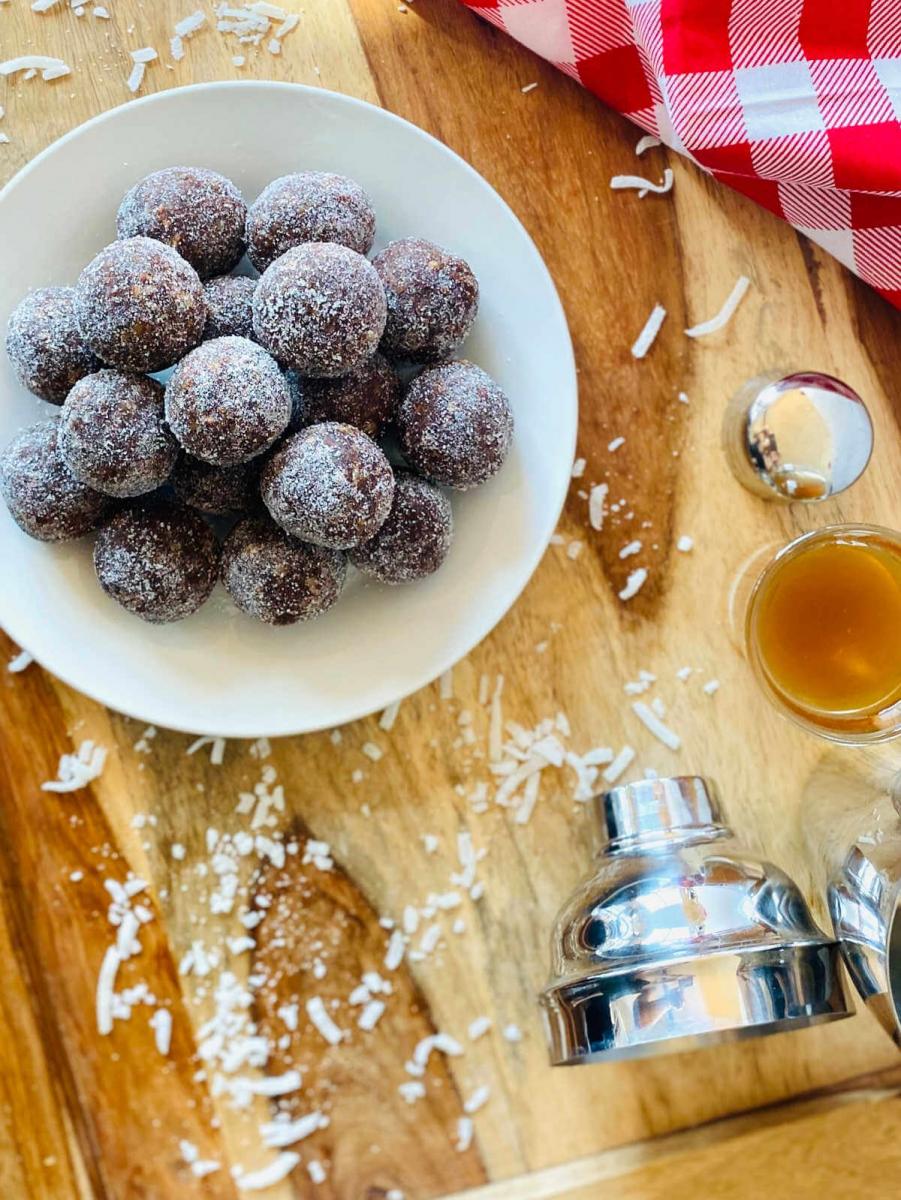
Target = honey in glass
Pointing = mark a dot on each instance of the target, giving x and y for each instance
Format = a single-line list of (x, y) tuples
[(824, 632)]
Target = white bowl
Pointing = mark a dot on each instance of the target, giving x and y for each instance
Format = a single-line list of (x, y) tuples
[(219, 672)]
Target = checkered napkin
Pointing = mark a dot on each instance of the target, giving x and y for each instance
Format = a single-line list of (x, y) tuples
[(795, 103)]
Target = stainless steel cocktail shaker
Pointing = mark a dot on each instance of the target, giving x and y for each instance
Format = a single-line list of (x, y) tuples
[(678, 938)]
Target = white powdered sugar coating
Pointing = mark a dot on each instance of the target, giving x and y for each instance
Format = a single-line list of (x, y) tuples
[(227, 401), (433, 298), (158, 560), (43, 496), (311, 206), (229, 303), (329, 484), (112, 435), (139, 305), (197, 212), (455, 425), (415, 538), (320, 309), (44, 346), (276, 578)]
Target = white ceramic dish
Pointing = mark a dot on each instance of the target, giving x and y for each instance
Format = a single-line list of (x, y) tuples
[(219, 672)]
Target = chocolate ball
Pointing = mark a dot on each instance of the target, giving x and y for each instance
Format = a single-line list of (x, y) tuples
[(433, 298), (44, 346), (277, 578), (217, 491), (312, 206), (197, 212), (329, 484), (365, 397), (415, 538), (320, 309), (229, 305), (43, 496), (227, 401), (158, 560), (139, 305), (455, 425), (112, 435)]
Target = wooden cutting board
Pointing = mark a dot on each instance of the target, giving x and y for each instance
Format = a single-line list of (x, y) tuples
[(85, 1115)]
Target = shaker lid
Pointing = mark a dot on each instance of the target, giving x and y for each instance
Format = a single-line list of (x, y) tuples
[(652, 806), (678, 938)]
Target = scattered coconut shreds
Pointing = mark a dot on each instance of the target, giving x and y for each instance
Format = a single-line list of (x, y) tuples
[(177, 48), (145, 55), (411, 1090), (711, 687), (106, 982), (78, 770), (370, 1015), (652, 722), (648, 142), (683, 398), (620, 764), (136, 77), (529, 87), (645, 339), (616, 443), (280, 1133), (629, 549), (316, 1171), (622, 182), (723, 317), (512, 1033), (478, 1028), (685, 543), (266, 1177), (634, 583), (190, 24), (50, 68), (389, 716), (574, 549), (597, 501), (161, 1024), (578, 468), (446, 684), (99, 11), (372, 751), (464, 1134), (21, 661), (217, 751), (477, 1100)]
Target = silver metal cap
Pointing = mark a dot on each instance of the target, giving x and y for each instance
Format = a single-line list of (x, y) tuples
[(800, 436), (678, 938)]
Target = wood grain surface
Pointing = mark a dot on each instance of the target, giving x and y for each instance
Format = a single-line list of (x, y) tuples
[(84, 1115)]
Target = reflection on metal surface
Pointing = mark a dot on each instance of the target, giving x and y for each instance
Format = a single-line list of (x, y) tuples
[(678, 938), (800, 436)]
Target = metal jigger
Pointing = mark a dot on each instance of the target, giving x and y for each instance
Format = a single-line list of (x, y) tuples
[(852, 815), (799, 436), (678, 939)]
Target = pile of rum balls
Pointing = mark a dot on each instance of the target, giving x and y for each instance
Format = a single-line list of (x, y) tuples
[(284, 389)]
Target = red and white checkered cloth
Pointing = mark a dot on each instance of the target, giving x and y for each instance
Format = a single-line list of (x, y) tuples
[(795, 103)]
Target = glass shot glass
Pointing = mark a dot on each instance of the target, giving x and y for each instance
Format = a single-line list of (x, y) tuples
[(822, 632)]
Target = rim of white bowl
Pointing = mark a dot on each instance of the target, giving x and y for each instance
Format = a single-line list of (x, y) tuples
[(567, 368)]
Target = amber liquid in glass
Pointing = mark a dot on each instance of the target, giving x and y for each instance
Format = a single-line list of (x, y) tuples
[(826, 628)]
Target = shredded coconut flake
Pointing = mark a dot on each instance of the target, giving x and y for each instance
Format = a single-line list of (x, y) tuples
[(634, 583), (722, 318), (161, 1024), (477, 1100), (653, 723), (597, 500), (645, 339), (266, 1177), (685, 543), (464, 1134), (50, 68), (621, 182), (620, 764), (78, 770), (389, 716), (648, 142), (21, 661)]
